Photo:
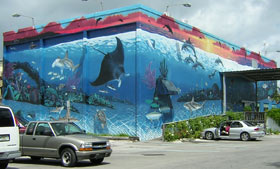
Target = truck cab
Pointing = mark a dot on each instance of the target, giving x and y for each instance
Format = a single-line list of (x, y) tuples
[(9, 136)]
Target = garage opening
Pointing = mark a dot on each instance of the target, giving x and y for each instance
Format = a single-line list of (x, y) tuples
[(250, 91)]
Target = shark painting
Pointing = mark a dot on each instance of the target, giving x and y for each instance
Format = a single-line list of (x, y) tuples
[(64, 63), (58, 110), (193, 106), (112, 66)]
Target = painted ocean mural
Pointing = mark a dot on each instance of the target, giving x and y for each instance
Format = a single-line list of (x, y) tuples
[(125, 78)]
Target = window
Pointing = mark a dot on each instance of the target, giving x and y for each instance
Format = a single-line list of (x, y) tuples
[(236, 125), (30, 129), (66, 128), (43, 129), (6, 118)]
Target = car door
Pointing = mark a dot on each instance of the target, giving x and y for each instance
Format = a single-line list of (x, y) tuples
[(235, 129), (40, 140), (27, 142)]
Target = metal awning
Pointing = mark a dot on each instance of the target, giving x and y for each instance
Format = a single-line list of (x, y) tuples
[(256, 75)]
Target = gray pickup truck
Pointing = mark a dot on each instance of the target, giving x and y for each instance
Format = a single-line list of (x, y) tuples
[(62, 140)]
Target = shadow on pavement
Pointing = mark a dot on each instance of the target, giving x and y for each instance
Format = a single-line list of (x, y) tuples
[(53, 162)]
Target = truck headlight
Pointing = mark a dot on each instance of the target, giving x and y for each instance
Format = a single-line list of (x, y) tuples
[(86, 147), (108, 145)]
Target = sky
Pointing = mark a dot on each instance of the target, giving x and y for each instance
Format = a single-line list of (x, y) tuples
[(253, 24)]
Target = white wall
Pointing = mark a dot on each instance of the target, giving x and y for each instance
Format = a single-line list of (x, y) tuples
[(270, 123)]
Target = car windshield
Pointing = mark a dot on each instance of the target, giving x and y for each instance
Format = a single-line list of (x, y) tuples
[(66, 128), (249, 123)]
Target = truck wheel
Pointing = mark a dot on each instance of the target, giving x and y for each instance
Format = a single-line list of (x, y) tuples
[(96, 161), (68, 157), (4, 164)]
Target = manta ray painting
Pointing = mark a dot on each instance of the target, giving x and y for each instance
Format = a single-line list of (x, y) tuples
[(112, 66)]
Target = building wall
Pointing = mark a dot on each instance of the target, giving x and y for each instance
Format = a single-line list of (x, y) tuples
[(127, 71)]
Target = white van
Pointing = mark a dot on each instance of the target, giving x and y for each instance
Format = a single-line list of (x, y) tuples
[(9, 137)]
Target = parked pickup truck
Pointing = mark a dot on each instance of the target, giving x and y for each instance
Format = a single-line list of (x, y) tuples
[(62, 140)]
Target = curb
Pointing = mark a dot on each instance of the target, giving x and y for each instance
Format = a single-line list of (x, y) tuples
[(122, 138)]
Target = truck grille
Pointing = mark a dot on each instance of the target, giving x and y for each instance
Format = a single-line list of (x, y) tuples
[(99, 145)]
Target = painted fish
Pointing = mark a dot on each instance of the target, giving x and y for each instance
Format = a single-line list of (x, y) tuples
[(50, 73), (264, 86), (111, 87), (153, 116), (61, 86), (73, 87), (103, 91)]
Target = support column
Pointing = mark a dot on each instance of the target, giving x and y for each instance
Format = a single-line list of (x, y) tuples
[(224, 95)]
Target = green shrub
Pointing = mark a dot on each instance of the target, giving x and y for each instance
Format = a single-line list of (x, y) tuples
[(235, 115), (193, 127), (247, 108), (275, 115)]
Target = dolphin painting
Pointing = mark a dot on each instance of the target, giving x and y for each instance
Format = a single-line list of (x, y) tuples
[(218, 61), (188, 46), (193, 106), (112, 66), (64, 63)]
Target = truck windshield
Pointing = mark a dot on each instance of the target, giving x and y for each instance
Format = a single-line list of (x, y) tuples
[(66, 128), (6, 118)]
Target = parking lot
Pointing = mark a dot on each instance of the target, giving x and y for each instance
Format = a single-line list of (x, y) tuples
[(200, 154)]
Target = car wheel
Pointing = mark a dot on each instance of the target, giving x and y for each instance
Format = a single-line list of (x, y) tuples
[(68, 157), (35, 158), (209, 135), (96, 161), (4, 164), (245, 136)]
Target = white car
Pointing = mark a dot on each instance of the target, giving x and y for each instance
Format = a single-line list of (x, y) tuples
[(9, 137), (237, 129)]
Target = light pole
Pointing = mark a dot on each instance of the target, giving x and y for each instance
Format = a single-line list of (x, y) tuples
[(187, 5), (16, 15)]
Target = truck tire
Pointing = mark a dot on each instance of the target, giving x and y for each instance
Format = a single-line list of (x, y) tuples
[(96, 161), (68, 157), (4, 164)]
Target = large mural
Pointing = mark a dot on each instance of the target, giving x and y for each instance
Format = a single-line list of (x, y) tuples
[(128, 72)]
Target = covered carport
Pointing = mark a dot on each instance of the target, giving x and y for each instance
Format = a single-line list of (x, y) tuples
[(252, 76)]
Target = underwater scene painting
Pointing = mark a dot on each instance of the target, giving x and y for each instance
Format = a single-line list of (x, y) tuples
[(124, 83)]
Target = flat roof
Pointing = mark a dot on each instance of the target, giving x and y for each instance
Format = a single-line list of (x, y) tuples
[(256, 75)]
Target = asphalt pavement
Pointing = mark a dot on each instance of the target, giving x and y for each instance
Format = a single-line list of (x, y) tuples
[(194, 154)]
